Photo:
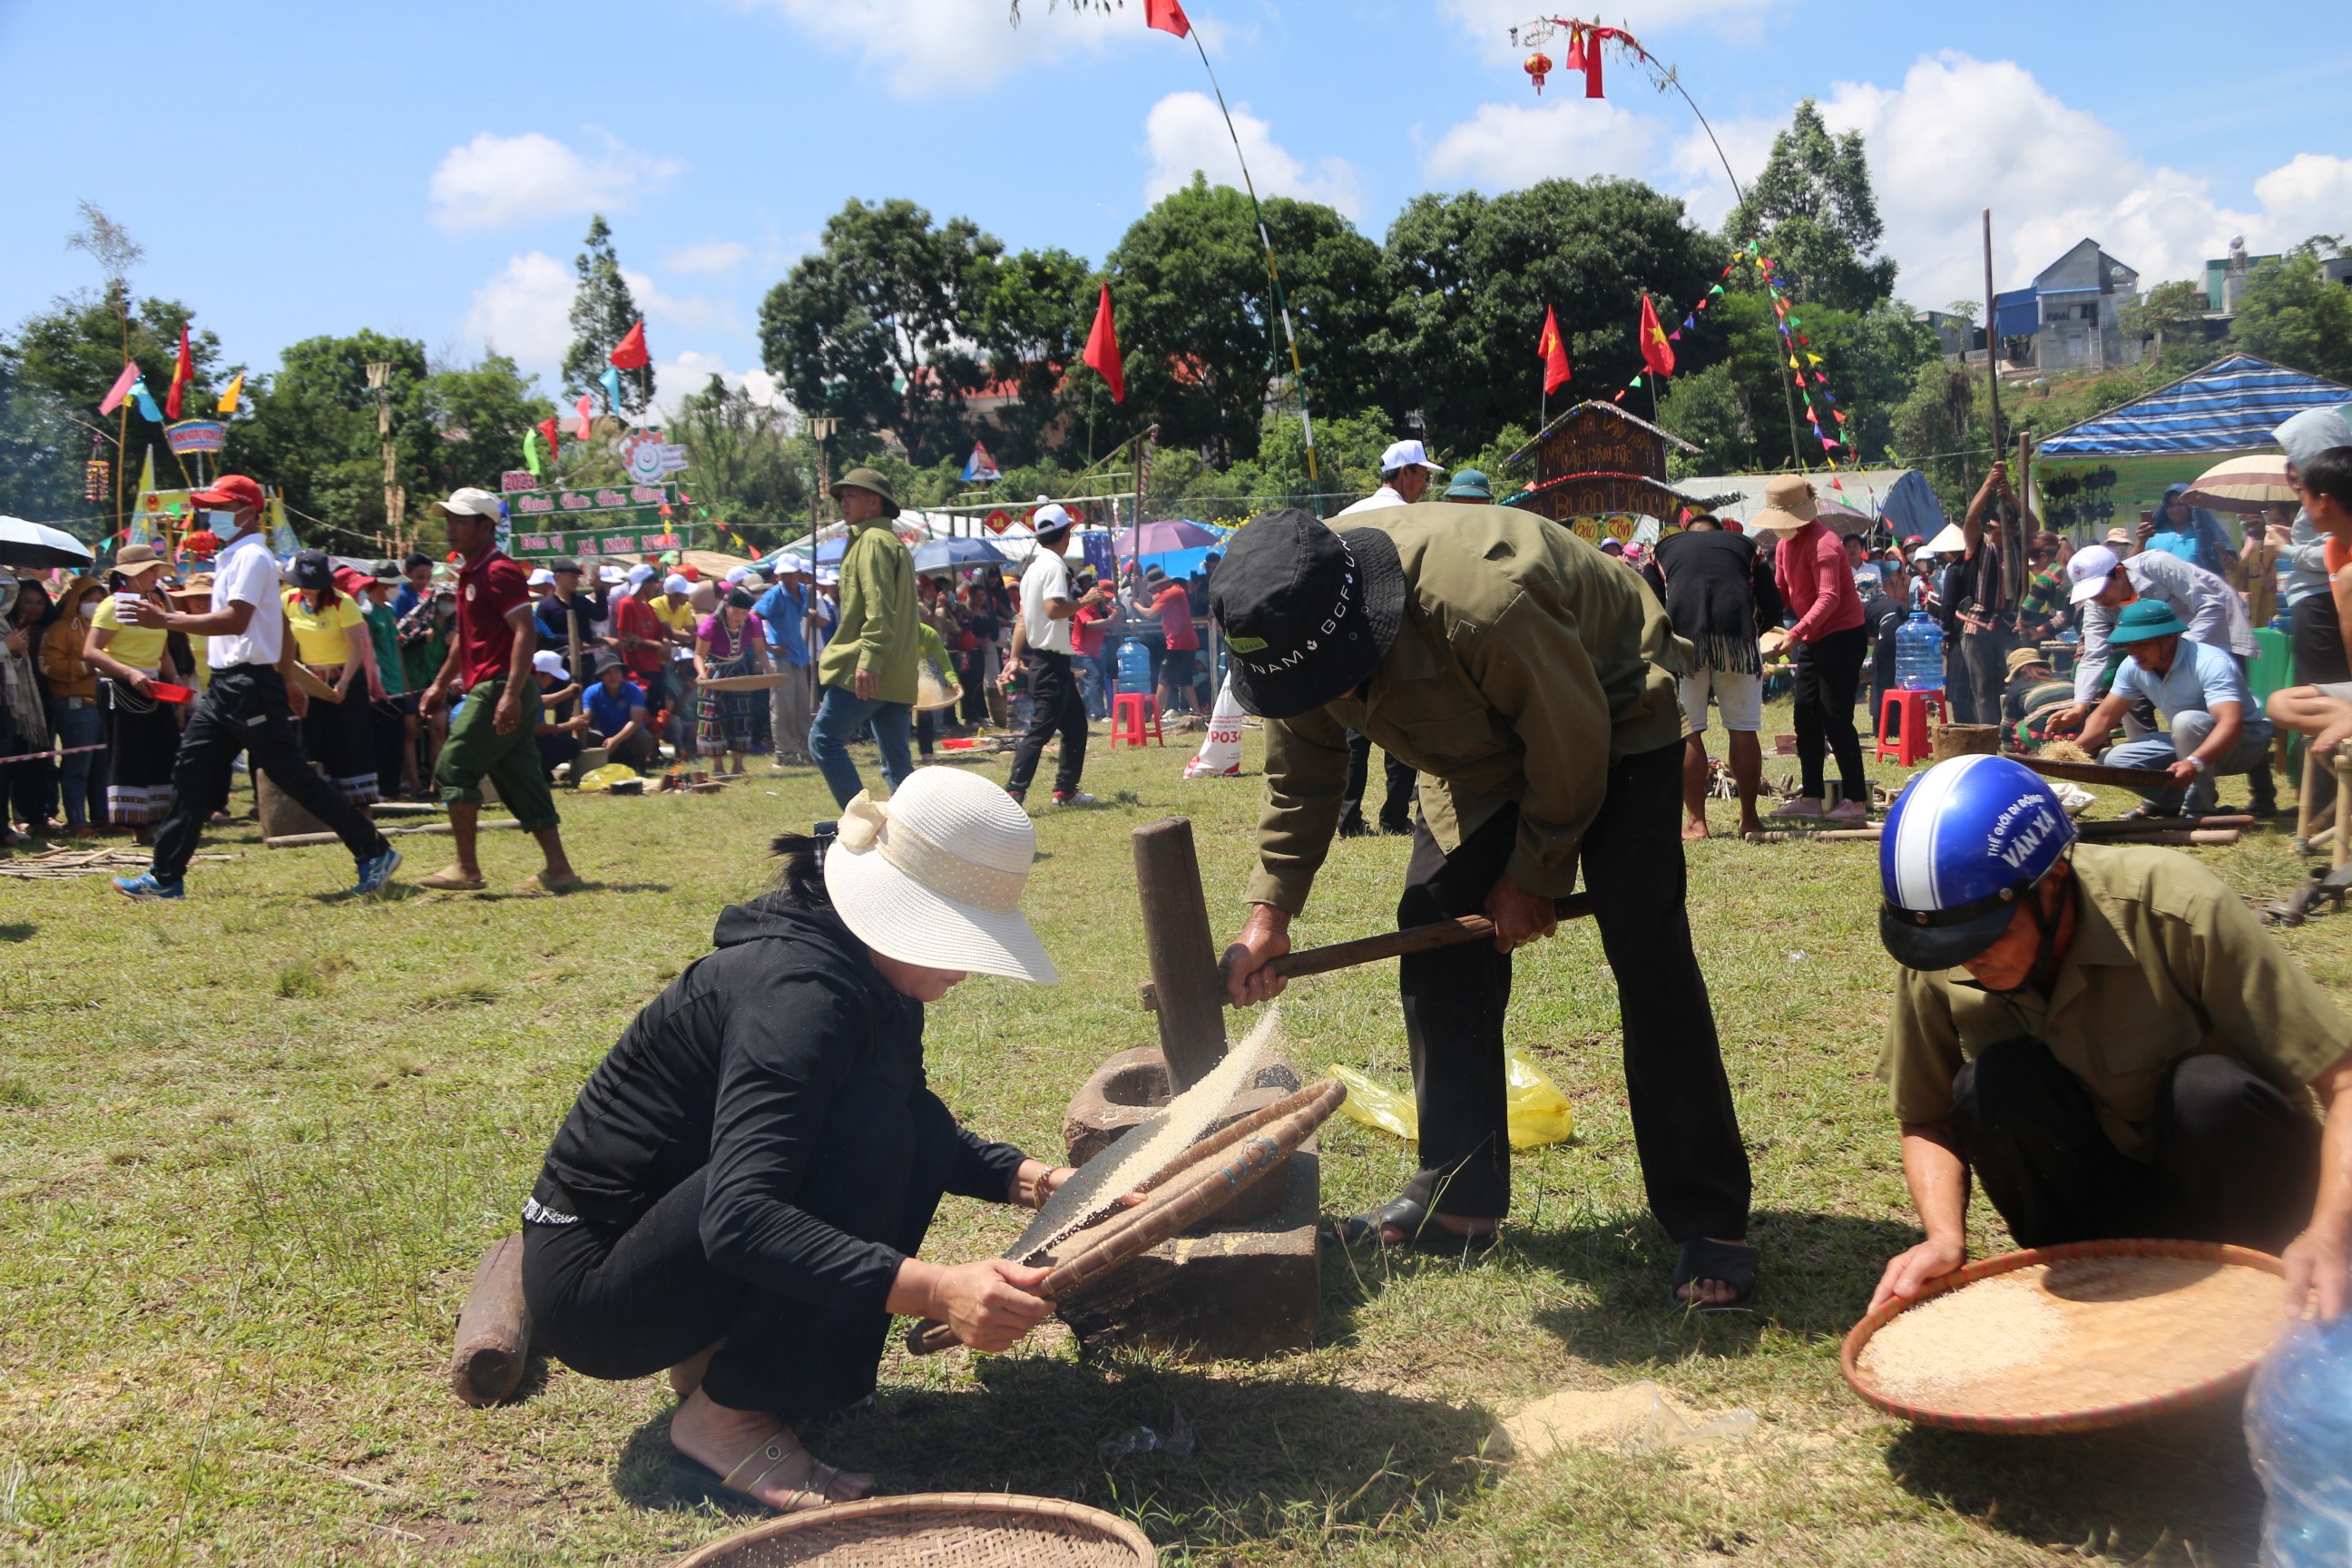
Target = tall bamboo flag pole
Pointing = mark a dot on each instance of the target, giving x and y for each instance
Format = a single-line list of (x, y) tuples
[(1272, 271)]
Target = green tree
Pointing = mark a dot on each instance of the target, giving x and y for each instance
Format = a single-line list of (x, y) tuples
[(877, 329), (1814, 211), (743, 469), (41, 453), (2291, 315), (1468, 277), (1035, 307), (1938, 424), (477, 415), (1707, 410), (602, 312), (2170, 314), (1202, 341)]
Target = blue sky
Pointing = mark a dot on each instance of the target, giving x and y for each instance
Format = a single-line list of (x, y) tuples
[(427, 170)]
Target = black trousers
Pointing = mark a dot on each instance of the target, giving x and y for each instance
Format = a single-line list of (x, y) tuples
[(1822, 686), (244, 709), (619, 1302), (1056, 704), (2317, 642), (388, 728), (2236, 1160), (1396, 811), (1685, 1127)]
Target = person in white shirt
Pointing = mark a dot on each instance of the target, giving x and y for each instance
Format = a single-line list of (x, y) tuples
[(1406, 473), (1041, 648), (249, 707)]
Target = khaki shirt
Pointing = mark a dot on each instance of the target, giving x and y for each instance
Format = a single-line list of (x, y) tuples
[(877, 631), (2165, 962), (1526, 664)]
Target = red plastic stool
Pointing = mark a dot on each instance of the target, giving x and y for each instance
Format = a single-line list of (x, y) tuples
[(1911, 709), (1132, 713)]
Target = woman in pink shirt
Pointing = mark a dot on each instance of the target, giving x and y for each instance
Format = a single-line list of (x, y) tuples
[(1828, 645)]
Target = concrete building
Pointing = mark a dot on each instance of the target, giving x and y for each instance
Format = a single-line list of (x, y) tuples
[(2069, 318)]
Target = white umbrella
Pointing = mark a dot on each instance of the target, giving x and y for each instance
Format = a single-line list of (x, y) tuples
[(2243, 484), (26, 543)]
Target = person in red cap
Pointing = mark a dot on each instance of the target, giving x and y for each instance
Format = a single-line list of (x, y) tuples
[(249, 707)]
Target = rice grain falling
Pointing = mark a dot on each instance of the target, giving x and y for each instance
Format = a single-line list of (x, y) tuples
[(1965, 1337)]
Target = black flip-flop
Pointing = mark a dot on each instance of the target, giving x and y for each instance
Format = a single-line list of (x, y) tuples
[(1732, 1262), (1422, 1231)]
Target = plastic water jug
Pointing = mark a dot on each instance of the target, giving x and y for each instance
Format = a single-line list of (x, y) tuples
[(1919, 654), (1134, 667), (2299, 1435)]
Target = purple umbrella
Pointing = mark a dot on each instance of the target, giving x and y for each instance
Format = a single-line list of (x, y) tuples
[(1159, 538)]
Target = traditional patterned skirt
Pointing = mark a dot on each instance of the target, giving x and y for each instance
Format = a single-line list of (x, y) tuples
[(732, 721), (340, 739), (142, 737)]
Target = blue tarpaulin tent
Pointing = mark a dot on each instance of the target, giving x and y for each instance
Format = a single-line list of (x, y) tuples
[(2229, 406)]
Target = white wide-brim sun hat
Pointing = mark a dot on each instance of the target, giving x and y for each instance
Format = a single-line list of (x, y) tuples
[(933, 876)]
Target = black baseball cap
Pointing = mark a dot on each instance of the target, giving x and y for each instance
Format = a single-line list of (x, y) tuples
[(1308, 612), (313, 569)]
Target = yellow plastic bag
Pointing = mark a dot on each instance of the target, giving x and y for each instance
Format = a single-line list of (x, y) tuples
[(606, 776), (1537, 1112)]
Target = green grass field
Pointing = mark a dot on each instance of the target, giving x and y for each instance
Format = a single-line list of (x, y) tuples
[(251, 1145)]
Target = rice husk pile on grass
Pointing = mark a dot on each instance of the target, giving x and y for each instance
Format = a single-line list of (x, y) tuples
[(2082, 1335)]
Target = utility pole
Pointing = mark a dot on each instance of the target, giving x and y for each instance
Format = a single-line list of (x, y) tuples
[(379, 377)]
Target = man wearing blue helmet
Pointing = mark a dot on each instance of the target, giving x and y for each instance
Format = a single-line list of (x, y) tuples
[(2105, 1036)]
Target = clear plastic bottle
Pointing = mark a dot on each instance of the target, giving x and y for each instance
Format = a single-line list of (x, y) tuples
[(1919, 654), (2299, 1434)]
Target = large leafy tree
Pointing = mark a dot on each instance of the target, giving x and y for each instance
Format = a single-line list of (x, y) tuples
[(602, 312), (1814, 211), (1469, 276), (743, 468), (2290, 314), (1035, 307), (40, 457), (1202, 341), (877, 328), (68, 356)]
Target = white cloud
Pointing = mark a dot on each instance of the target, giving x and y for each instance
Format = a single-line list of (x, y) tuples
[(2310, 195), (494, 180), (717, 256), (690, 312), (918, 44), (1506, 145), (1185, 133), (691, 371), (525, 312)]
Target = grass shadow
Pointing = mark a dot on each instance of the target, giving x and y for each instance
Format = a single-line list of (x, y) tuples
[(17, 930), (1815, 1271), (2120, 1492), (1272, 1457)]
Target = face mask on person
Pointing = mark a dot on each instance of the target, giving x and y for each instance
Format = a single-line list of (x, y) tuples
[(222, 523)]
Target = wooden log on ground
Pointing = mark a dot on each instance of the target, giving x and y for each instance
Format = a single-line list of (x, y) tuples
[(1183, 953), (493, 1329), (312, 840), (1798, 834), (2131, 828), (1387, 944), (409, 807), (1964, 740), (2100, 774)]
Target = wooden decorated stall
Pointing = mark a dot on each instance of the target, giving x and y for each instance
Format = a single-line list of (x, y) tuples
[(1600, 471)]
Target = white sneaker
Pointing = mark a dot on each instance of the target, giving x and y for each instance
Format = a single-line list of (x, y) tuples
[(1076, 797)]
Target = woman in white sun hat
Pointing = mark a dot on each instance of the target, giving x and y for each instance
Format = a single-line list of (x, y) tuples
[(741, 1190)]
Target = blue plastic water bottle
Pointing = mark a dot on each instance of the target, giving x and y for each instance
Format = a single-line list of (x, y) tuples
[(1919, 654), (2299, 1434), (1134, 667)]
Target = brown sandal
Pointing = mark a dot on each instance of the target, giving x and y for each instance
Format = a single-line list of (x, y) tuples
[(691, 1480)]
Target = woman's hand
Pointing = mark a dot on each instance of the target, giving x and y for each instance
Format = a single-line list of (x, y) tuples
[(1034, 1183), (1910, 1272), (988, 1305), (142, 682)]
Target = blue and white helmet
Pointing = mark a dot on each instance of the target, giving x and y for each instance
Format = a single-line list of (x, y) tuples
[(1961, 846)]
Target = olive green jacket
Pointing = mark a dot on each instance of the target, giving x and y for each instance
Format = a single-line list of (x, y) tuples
[(1526, 664), (2165, 962), (877, 615)]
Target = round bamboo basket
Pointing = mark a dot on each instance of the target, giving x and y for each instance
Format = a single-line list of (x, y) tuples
[(937, 1529), (2147, 1331)]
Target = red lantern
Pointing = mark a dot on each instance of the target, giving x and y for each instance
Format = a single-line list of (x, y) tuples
[(1539, 67)]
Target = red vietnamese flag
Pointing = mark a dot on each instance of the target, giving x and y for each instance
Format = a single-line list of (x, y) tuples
[(1656, 352), (630, 353), (1168, 17), (184, 371), (1552, 349), (1102, 343), (547, 434)]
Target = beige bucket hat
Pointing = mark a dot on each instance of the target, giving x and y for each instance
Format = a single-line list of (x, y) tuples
[(933, 876), (1789, 504)]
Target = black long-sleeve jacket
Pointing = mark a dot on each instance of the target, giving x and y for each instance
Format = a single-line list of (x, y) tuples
[(735, 1066)]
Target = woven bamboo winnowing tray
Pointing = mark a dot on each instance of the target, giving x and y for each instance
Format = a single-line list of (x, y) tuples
[(937, 1529), (2150, 1326)]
